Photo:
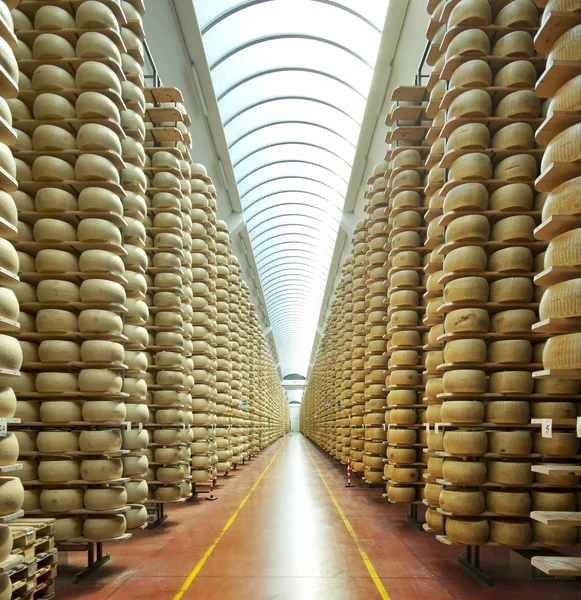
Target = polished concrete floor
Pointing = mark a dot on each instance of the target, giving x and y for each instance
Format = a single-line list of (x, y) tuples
[(288, 542)]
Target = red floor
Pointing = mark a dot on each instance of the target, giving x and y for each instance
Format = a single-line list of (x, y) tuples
[(289, 543)]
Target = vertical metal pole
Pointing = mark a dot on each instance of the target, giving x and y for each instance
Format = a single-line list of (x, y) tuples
[(349, 484)]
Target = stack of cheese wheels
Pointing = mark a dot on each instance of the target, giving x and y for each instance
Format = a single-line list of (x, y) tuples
[(348, 412), (74, 286), (349, 355), (557, 385), (168, 250), (489, 350), (204, 322), (227, 446), (241, 412), (409, 241), (135, 239), (370, 281), (354, 329), (12, 357)]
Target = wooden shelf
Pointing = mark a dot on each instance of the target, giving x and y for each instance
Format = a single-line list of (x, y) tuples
[(549, 517), (554, 275), (491, 336), (491, 215), (404, 113), (558, 326), (556, 174), (557, 566), (70, 156), (558, 374), (554, 124), (78, 247), (556, 74), (557, 469), (8, 87), (73, 187)]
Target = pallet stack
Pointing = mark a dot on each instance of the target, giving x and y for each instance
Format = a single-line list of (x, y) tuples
[(72, 400), (32, 564)]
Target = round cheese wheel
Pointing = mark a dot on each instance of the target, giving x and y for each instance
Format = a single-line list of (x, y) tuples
[(93, 136), (520, 167), (97, 527), (52, 261), (59, 351), (61, 500), (514, 196), (50, 46), (511, 259), (58, 471), (95, 15), (517, 74), (51, 77), (54, 230), (52, 18), (464, 381), (473, 103), (49, 106), (474, 73), (101, 469), (50, 137), (96, 45), (514, 44), (514, 136), (59, 412), (521, 13), (554, 535), (511, 289), (99, 321), (95, 75), (522, 103), (52, 199), (93, 167), (99, 380), (48, 168)]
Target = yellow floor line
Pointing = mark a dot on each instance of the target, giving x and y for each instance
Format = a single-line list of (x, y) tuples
[(372, 572), (188, 582)]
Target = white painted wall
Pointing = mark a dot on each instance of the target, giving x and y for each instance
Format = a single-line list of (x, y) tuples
[(295, 417)]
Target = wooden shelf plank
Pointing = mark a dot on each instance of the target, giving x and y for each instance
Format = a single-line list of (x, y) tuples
[(554, 517), (557, 565)]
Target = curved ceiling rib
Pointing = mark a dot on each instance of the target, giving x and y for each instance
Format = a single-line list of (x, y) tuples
[(291, 79)]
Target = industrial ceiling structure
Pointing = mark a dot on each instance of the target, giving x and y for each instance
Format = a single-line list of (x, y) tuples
[(291, 79)]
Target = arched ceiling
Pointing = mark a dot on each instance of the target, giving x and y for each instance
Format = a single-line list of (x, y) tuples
[(291, 78)]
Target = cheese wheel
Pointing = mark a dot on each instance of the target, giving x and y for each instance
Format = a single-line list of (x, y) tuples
[(473, 103), (522, 103), (511, 289), (520, 13), (50, 137), (514, 229), (53, 18), (467, 289), (99, 380), (11, 495), (102, 291), (510, 442), (515, 136), (55, 261), (99, 321), (468, 350), (48, 168), (516, 382), (99, 261), (464, 381), (470, 12), (61, 500), (468, 531), (473, 42), (511, 259), (95, 75), (93, 136), (562, 352), (467, 320), (110, 498), (98, 230), (553, 500), (59, 351), (514, 44), (520, 167), (51, 77), (49, 106), (95, 15), (468, 258), (468, 228), (104, 527), (97, 45), (462, 502), (101, 469), (510, 411), (464, 473), (50, 46), (474, 73), (93, 167), (468, 137), (554, 535), (58, 471), (517, 473), (59, 412), (460, 411), (516, 74), (514, 196)]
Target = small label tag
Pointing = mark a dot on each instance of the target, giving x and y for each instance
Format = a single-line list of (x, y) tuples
[(427, 427), (578, 426), (3, 427), (140, 427), (437, 427), (127, 425), (546, 427)]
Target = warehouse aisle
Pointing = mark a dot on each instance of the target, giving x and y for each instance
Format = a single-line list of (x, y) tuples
[(289, 542)]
